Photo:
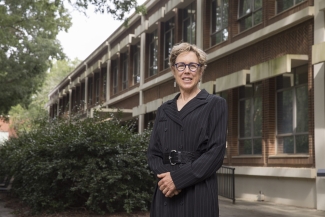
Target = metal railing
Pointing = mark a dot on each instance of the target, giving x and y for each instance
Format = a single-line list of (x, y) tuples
[(226, 182)]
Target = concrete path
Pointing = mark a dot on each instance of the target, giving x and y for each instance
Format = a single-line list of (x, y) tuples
[(241, 208), (5, 212)]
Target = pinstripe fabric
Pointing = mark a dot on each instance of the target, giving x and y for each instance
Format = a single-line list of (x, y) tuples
[(201, 125)]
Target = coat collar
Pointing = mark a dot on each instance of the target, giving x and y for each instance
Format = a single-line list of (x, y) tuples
[(171, 106)]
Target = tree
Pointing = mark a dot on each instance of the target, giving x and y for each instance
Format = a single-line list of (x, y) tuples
[(28, 31), (116, 8), (23, 117), (28, 44)]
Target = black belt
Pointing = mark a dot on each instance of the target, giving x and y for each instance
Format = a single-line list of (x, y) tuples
[(180, 157)]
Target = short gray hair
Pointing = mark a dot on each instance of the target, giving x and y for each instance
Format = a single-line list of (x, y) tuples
[(187, 47)]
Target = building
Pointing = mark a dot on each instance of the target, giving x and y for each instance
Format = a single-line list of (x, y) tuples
[(266, 57), (5, 130)]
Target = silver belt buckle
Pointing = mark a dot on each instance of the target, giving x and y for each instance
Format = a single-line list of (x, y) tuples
[(170, 157)]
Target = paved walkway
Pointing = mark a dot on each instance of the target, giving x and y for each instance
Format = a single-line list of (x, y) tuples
[(5, 212), (240, 209), (243, 208)]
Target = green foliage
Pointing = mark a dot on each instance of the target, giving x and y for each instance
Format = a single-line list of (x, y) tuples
[(95, 164), (22, 117), (28, 31), (28, 42), (116, 8)]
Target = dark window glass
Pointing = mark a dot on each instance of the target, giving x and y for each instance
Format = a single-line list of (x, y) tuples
[(219, 24), (250, 119), (136, 64), (282, 5), (153, 53), (292, 112), (189, 24), (169, 40), (249, 13), (124, 71), (115, 76)]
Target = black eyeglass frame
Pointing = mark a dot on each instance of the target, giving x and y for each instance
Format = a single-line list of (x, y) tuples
[(188, 65)]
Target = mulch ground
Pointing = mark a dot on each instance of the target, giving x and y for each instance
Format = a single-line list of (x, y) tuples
[(22, 210)]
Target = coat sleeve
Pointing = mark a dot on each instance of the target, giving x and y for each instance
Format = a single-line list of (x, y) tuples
[(154, 153), (210, 161)]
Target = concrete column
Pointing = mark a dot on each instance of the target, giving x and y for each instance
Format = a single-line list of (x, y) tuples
[(199, 23), (86, 94), (108, 80), (70, 100), (141, 117), (142, 76), (319, 106)]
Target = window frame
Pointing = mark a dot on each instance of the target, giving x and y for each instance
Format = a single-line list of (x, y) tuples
[(168, 34), (250, 14), (97, 86), (192, 21), (293, 134), (125, 69), (136, 64), (213, 34), (153, 64), (115, 77), (252, 137), (90, 90), (104, 84), (294, 4)]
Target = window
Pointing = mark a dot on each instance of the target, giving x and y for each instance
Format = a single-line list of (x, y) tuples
[(77, 105), (282, 5), (90, 91), (153, 53), (97, 87), (189, 24), (249, 14), (55, 110), (219, 24), (104, 81), (83, 98), (115, 76), (136, 64), (292, 112), (124, 71), (250, 119), (224, 94), (169, 40)]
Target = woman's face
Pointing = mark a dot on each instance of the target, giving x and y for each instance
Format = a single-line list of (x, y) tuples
[(187, 79)]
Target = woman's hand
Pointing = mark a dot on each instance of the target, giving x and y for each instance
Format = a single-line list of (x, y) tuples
[(166, 185)]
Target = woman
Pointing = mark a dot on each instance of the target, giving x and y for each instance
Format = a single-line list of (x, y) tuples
[(187, 143)]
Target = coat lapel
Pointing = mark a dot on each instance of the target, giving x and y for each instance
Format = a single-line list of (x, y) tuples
[(171, 111), (196, 102), (177, 116)]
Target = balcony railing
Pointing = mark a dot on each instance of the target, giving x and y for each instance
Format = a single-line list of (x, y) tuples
[(226, 182)]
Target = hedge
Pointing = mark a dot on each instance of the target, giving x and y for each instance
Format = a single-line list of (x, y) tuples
[(96, 164)]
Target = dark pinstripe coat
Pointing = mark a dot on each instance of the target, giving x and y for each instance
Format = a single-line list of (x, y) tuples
[(201, 125)]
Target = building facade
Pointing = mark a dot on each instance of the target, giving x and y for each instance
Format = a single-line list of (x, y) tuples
[(265, 57)]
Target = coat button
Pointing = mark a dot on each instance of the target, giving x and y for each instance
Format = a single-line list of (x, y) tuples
[(165, 129), (180, 147), (180, 165), (182, 203), (182, 129), (166, 149), (165, 204)]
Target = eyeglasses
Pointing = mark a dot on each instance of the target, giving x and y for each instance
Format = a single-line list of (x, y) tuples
[(182, 66)]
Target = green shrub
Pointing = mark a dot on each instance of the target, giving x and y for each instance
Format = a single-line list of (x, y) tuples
[(95, 164)]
